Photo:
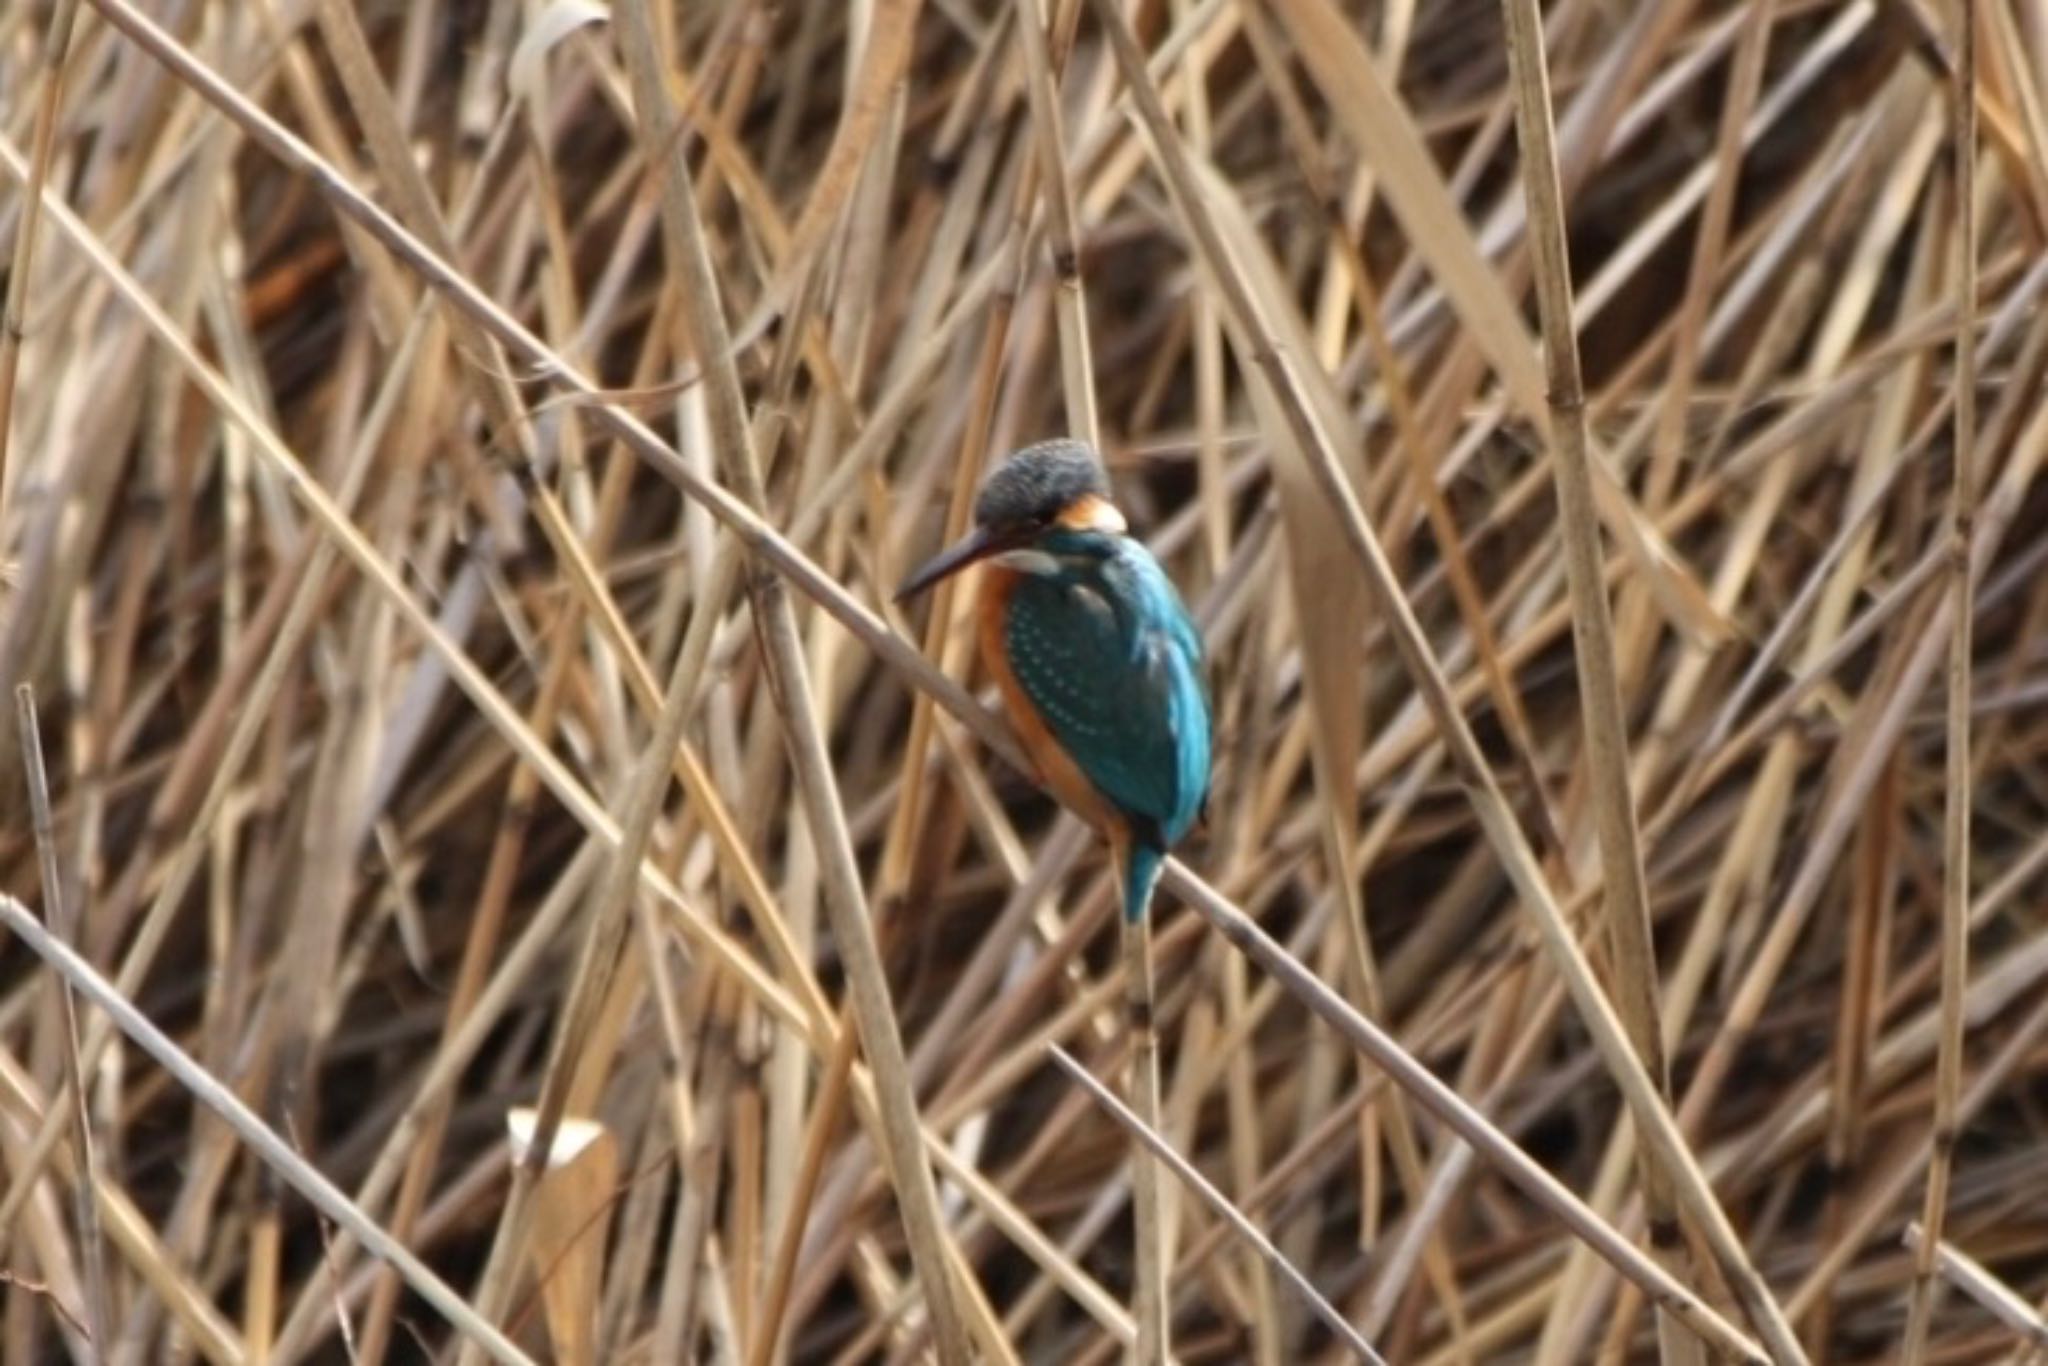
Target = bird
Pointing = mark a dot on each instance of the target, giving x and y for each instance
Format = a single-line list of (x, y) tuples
[(1100, 668), (1098, 663)]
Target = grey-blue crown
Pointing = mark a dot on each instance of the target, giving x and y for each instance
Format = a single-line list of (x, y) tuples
[(1036, 482)]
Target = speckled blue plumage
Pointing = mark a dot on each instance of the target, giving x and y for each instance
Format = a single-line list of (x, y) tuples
[(1108, 656)]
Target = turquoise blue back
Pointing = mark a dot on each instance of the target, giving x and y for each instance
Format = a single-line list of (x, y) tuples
[(1107, 654)]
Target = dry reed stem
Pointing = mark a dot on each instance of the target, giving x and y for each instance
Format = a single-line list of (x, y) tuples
[(22, 263), (1152, 1253), (63, 922), (1077, 370), (1959, 790), (1631, 945)]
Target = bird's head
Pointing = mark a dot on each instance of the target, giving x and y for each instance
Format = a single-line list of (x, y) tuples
[(1044, 504)]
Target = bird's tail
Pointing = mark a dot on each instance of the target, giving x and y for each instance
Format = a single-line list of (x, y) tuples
[(1142, 863)]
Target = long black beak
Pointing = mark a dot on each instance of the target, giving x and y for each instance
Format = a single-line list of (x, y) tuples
[(978, 544)]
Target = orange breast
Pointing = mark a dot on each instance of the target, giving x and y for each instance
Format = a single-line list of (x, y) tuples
[(1055, 769)]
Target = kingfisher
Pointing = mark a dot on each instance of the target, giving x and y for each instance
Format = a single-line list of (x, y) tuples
[(1098, 663)]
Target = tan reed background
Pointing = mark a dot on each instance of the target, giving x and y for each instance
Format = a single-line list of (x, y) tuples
[(454, 458)]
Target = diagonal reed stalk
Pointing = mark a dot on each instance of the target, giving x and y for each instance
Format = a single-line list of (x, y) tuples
[(1969, 1276), (1218, 1202)]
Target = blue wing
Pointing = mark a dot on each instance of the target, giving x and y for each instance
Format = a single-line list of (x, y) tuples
[(1107, 654)]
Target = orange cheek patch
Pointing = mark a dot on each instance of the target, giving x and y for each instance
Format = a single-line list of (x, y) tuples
[(1091, 512)]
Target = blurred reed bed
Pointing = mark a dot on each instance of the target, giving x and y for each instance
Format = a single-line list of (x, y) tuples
[(510, 884)]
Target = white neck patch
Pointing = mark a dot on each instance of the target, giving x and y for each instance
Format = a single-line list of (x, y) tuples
[(1028, 561)]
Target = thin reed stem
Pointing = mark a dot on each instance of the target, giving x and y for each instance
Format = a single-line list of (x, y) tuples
[(1630, 939), (1149, 1299), (1959, 791)]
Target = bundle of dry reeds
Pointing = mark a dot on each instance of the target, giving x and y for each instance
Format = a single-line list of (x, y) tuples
[(489, 874)]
